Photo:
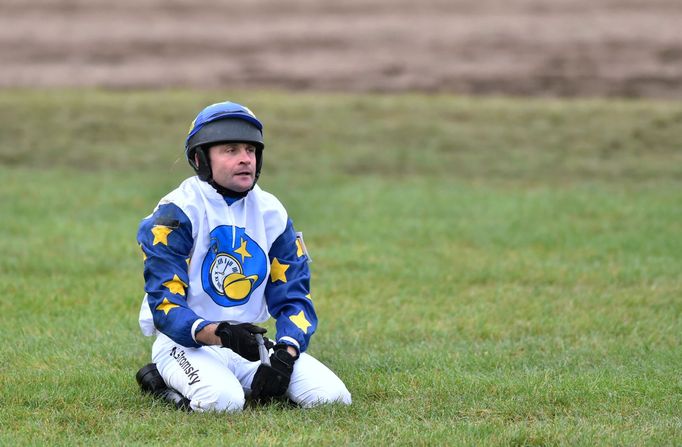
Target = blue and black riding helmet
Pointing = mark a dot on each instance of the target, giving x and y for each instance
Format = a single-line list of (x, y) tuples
[(223, 122)]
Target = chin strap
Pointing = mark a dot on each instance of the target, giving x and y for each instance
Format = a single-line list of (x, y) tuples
[(225, 192), (203, 170)]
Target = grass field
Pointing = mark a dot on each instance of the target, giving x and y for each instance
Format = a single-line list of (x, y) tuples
[(486, 271)]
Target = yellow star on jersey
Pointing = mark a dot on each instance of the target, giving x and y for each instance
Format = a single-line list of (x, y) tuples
[(187, 261), (144, 255), (161, 233), (300, 321), (277, 271), (299, 248), (166, 306), (176, 286), (242, 250)]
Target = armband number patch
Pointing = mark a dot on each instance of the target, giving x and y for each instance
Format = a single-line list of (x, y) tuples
[(301, 248)]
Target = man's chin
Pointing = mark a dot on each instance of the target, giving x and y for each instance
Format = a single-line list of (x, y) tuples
[(242, 185)]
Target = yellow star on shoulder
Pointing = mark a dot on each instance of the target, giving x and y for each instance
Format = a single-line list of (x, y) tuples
[(176, 286), (242, 250), (161, 233), (144, 255), (300, 321), (309, 297), (277, 271), (299, 248), (166, 306)]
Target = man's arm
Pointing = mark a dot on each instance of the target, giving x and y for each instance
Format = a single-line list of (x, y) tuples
[(166, 240), (207, 336), (288, 291)]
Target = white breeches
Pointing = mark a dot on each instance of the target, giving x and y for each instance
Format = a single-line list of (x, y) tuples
[(217, 379)]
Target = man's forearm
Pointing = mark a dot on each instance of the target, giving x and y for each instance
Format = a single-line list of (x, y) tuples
[(207, 336)]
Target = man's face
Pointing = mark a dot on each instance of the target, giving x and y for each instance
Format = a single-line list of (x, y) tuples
[(233, 165)]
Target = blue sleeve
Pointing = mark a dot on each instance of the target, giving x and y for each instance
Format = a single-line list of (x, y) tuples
[(288, 290), (166, 240)]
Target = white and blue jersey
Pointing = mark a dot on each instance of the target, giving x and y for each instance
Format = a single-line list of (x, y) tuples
[(207, 260)]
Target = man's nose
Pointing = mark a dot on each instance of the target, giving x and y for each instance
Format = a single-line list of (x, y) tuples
[(244, 156)]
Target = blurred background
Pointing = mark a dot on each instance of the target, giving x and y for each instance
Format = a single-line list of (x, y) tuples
[(495, 264), (625, 48)]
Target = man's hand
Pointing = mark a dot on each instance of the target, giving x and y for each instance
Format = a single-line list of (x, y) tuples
[(273, 381), (240, 338)]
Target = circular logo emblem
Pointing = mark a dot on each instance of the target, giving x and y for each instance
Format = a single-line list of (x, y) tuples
[(232, 268), (228, 279)]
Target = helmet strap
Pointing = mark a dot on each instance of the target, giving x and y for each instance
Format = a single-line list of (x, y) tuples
[(203, 170)]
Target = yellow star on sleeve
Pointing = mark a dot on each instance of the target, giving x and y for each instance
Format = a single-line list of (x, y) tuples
[(144, 255), (300, 321), (161, 233), (299, 248), (277, 271), (176, 286), (166, 306), (242, 250)]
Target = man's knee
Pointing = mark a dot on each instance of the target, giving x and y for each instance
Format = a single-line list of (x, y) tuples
[(337, 394), (315, 384), (216, 398)]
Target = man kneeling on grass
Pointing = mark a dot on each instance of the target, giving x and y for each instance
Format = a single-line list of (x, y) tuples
[(220, 255)]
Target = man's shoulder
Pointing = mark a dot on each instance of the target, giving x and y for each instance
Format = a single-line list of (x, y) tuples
[(186, 198), (271, 210), (185, 190), (187, 195), (266, 200)]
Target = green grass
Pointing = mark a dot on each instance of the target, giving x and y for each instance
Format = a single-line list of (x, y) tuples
[(486, 271)]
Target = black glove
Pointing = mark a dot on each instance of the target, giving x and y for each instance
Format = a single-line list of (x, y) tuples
[(272, 381), (240, 338)]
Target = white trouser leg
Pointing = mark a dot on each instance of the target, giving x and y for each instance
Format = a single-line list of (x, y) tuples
[(210, 377), (312, 383), (215, 378)]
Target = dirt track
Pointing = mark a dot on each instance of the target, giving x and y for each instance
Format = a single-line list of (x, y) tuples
[(538, 47)]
